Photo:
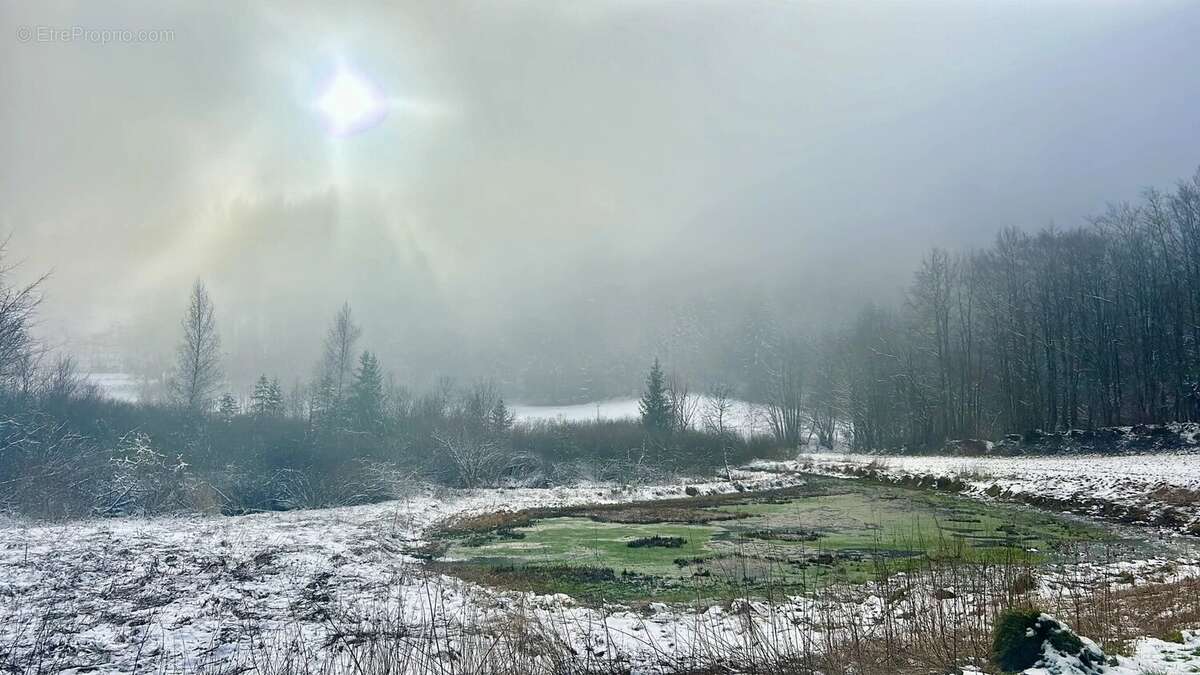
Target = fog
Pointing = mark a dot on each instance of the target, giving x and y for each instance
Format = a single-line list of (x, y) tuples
[(556, 187)]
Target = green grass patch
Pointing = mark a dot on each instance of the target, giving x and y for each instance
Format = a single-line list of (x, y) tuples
[(783, 541)]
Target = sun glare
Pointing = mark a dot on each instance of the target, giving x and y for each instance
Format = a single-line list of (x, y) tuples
[(351, 103)]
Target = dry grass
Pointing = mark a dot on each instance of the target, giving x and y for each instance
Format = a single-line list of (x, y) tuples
[(1113, 612), (1176, 496), (692, 510)]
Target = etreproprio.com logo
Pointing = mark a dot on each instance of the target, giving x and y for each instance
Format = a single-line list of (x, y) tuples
[(56, 34)]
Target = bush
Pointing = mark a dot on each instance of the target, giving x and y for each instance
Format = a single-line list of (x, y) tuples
[(1020, 637), (1014, 644), (143, 480), (657, 542)]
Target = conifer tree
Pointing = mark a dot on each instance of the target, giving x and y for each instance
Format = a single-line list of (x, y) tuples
[(500, 419), (227, 406), (260, 398), (366, 393), (655, 405), (275, 398)]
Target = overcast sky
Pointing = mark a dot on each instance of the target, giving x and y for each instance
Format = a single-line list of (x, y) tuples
[(539, 156)]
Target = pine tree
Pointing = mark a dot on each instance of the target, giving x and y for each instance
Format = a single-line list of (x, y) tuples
[(366, 394), (260, 398), (275, 402), (323, 408), (227, 406), (500, 419), (655, 404), (267, 398)]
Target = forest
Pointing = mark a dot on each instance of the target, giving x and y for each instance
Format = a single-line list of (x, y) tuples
[(1061, 329)]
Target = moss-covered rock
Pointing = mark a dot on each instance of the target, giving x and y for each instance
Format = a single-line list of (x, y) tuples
[(1024, 638)]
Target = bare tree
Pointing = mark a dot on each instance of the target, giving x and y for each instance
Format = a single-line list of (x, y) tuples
[(476, 404), (337, 364), (475, 457), (785, 392), (718, 409), (930, 300), (824, 396), (198, 361), (684, 406), (63, 381), (17, 307), (339, 348)]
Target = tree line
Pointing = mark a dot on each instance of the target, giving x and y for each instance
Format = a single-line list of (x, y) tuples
[(1081, 328), (348, 433), (1059, 329)]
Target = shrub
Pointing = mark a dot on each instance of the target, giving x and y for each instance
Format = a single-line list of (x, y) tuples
[(143, 480), (1015, 645), (1020, 636), (657, 542)]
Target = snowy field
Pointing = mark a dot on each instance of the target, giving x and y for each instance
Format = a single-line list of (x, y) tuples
[(1154, 483), (186, 593), (122, 592), (744, 417), (121, 386)]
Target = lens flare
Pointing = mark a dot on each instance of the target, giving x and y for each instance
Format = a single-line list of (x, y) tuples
[(351, 103)]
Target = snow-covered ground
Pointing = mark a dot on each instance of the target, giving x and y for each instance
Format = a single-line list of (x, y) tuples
[(174, 594), (121, 386), (1151, 484), (742, 416), (1150, 656), (613, 409), (121, 592)]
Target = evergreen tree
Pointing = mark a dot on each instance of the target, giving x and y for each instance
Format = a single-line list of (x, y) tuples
[(655, 404), (323, 409), (500, 419), (227, 406), (260, 398), (275, 402), (267, 398), (366, 394)]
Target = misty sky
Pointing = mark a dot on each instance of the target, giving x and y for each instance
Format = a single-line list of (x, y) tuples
[(545, 165)]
